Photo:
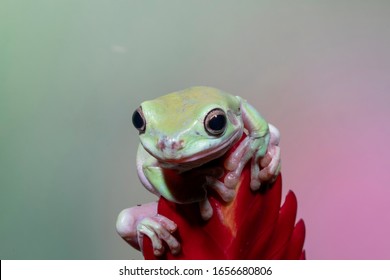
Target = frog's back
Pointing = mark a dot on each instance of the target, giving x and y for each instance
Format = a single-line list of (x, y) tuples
[(198, 96)]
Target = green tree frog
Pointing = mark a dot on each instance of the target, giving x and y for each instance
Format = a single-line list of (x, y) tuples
[(180, 133)]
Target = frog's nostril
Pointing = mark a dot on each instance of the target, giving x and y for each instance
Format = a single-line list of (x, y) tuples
[(161, 144), (177, 145), (171, 144)]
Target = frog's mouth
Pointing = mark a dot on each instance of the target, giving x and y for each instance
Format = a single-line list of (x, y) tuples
[(198, 159)]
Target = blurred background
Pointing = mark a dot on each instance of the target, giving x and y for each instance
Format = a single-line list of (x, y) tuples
[(72, 72)]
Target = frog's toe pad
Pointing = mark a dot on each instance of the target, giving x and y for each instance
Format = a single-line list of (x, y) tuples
[(255, 184), (231, 179), (206, 210)]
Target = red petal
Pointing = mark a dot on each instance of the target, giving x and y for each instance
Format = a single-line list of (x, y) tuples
[(283, 230), (257, 224), (294, 249)]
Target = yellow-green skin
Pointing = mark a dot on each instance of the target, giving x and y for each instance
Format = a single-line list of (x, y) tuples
[(175, 137)]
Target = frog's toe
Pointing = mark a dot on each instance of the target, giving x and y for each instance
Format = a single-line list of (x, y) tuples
[(239, 155), (255, 172), (269, 173), (255, 184), (206, 211), (231, 179), (227, 194)]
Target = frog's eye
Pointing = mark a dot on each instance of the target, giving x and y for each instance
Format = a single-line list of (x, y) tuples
[(215, 122), (139, 121)]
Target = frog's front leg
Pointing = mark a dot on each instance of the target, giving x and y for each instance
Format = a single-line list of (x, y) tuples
[(254, 147), (136, 222), (271, 162)]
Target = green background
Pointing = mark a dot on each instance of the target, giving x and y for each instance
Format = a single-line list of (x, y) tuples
[(72, 72)]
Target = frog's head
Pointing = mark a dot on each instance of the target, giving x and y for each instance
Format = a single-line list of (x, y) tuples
[(189, 127)]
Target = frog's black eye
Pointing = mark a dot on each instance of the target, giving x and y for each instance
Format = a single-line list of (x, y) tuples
[(215, 122), (139, 121)]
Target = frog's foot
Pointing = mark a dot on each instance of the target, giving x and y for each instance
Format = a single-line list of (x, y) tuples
[(250, 148), (267, 168), (271, 165), (158, 228)]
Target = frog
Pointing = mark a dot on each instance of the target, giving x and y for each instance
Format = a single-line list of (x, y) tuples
[(180, 133)]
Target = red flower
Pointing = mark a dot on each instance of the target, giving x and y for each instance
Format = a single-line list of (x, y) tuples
[(252, 226)]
